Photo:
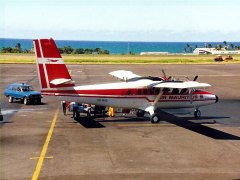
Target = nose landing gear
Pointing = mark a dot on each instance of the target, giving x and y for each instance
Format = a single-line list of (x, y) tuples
[(155, 118)]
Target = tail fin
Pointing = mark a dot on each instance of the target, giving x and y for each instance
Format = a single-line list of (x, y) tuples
[(52, 71)]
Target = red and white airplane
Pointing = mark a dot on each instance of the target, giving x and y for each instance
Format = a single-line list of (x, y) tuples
[(145, 94)]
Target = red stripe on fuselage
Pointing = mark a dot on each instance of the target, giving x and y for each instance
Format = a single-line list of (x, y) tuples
[(49, 48), (126, 97), (42, 75)]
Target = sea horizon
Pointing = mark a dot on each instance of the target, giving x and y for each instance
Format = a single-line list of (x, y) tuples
[(118, 47)]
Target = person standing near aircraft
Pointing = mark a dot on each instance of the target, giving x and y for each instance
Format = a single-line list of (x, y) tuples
[(64, 105), (74, 106)]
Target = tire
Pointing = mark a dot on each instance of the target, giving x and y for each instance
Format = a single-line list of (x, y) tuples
[(77, 115), (140, 113), (38, 101), (10, 99), (197, 114), (155, 118), (25, 101)]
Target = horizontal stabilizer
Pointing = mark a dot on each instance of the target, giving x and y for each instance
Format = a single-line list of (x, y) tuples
[(123, 75), (61, 81), (181, 85)]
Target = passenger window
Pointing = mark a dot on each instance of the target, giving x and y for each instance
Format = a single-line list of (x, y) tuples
[(175, 91), (151, 91), (183, 91), (157, 91), (139, 92), (145, 91), (166, 89)]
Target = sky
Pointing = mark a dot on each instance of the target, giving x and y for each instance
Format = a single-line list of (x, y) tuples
[(122, 20)]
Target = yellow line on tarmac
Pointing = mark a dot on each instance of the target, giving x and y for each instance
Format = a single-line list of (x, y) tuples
[(45, 147)]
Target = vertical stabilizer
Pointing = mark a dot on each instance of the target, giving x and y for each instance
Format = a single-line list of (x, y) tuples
[(52, 71)]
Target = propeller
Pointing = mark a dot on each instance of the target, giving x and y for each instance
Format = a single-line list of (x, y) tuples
[(165, 76), (194, 79)]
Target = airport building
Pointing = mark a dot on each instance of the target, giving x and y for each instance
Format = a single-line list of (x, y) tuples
[(215, 51)]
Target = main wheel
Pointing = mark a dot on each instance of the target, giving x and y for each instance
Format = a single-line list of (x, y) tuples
[(39, 101), (197, 114), (140, 113), (10, 99), (155, 118), (25, 101)]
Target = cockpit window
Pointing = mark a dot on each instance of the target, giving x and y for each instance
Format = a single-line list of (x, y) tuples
[(184, 91)]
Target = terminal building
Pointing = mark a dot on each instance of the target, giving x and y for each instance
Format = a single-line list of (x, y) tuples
[(215, 51)]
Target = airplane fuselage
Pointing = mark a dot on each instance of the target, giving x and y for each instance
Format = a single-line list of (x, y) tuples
[(132, 95)]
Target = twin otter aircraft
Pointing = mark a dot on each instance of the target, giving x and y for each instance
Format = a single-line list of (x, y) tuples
[(145, 94)]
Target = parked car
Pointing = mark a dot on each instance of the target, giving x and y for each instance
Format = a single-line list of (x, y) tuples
[(23, 92), (228, 58), (218, 58)]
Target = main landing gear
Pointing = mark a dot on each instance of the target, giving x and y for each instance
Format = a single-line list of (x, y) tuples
[(197, 113), (140, 113)]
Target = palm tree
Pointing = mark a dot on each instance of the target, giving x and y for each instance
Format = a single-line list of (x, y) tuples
[(218, 47), (209, 46), (18, 47), (188, 48), (232, 46), (225, 44)]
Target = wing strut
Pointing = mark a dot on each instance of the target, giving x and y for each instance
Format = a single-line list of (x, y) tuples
[(158, 97), (151, 109)]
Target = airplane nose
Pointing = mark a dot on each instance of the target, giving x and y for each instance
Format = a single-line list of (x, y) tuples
[(216, 99)]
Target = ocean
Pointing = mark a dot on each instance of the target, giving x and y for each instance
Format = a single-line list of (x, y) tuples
[(118, 47)]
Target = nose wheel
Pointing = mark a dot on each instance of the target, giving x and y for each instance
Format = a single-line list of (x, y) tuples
[(197, 114)]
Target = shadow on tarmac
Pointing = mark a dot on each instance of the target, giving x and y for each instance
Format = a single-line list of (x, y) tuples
[(198, 127), (88, 123), (184, 122)]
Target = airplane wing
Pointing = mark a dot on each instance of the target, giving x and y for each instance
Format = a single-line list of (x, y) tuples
[(123, 75), (180, 84)]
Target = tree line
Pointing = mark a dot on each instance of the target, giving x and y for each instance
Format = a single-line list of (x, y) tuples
[(70, 50), (16, 49), (64, 50)]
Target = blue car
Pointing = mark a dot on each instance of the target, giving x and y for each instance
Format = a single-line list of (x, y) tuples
[(23, 92)]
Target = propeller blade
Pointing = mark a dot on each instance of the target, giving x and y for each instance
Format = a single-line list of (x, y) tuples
[(195, 78), (164, 74)]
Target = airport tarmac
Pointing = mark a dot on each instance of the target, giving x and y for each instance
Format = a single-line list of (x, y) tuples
[(38, 141)]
